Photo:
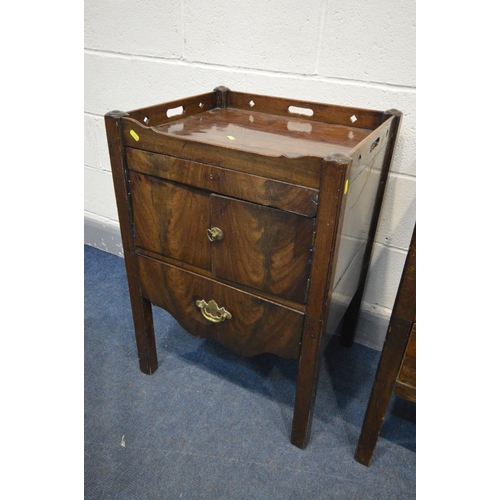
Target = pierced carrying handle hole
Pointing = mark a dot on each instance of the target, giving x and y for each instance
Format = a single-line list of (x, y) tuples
[(300, 111), (374, 144), (175, 111)]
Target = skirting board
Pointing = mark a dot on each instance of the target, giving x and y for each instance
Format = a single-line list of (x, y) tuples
[(373, 322), (103, 235)]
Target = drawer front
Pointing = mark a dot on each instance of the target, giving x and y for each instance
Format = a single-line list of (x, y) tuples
[(255, 325), (171, 219), (245, 186), (262, 247)]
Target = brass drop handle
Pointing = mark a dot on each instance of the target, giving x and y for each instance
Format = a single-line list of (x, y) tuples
[(215, 234), (212, 311)]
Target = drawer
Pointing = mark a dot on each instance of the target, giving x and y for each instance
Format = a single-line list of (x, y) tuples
[(255, 325), (252, 245), (225, 181)]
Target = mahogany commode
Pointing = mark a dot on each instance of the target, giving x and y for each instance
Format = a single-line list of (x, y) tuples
[(251, 220)]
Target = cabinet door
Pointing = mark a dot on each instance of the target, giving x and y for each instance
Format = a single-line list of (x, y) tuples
[(261, 247), (171, 219)]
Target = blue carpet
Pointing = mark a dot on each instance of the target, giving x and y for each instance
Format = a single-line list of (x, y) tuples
[(212, 425)]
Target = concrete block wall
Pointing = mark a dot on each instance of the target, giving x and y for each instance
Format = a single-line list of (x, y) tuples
[(334, 51)]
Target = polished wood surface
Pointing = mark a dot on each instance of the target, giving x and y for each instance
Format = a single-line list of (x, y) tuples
[(262, 133), (302, 171), (321, 112), (171, 219), (241, 185), (270, 184), (257, 325), (141, 307), (360, 200), (328, 224), (296, 306), (396, 372), (158, 115), (262, 247)]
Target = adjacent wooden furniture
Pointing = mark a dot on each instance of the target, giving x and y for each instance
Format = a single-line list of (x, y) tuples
[(396, 372), (249, 218)]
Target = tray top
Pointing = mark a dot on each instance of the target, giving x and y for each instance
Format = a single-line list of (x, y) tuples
[(266, 134)]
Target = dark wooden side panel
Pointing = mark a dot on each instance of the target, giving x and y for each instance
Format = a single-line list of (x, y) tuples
[(343, 293), (360, 200), (340, 115), (171, 219), (304, 171), (364, 153), (155, 115), (249, 187), (361, 196), (262, 247), (351, 316), (256, 325)]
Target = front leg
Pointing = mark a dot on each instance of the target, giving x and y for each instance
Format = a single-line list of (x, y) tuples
[(143, 318), (307, 382), (141, 308)]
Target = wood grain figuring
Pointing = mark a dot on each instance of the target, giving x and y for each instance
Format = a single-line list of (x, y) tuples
[(248, 187), (266, 134), (263, 248), (269, 184), (303, 171), (171, 219), (256, 326), (208, 274)]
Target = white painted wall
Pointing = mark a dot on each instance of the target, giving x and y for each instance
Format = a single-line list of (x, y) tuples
[(358, 53)]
